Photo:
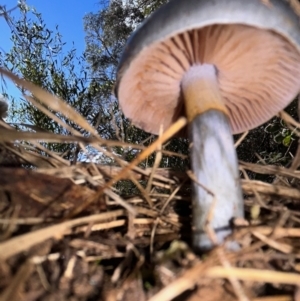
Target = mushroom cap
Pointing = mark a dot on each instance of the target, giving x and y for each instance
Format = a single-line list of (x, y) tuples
[(254, 46)]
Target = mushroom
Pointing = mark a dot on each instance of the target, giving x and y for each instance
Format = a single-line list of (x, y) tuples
[(229, 66)]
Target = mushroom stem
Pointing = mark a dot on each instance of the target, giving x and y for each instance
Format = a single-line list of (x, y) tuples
[(217, 196)]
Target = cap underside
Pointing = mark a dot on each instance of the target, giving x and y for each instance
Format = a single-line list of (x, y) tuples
[(258, 75)]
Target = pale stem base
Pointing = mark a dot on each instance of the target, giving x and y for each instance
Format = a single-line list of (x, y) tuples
[(218, 199)]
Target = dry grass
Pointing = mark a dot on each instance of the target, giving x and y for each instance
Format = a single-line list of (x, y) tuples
[(68, 234)]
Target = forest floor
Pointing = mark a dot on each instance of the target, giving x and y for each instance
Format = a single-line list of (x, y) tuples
[(69, 232)]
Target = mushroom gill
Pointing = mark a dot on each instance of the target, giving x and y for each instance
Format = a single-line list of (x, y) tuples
[(255, 81)]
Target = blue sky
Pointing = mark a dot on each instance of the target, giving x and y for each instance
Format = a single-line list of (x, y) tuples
[(67, 14)]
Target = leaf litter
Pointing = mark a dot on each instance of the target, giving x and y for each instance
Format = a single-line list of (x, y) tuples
[(68, 232)]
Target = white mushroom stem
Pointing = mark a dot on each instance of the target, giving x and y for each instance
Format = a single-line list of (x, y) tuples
[(217, 196)]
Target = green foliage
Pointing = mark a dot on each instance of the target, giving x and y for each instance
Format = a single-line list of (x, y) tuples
[(108, 30), (280, 132), (38, 55)]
